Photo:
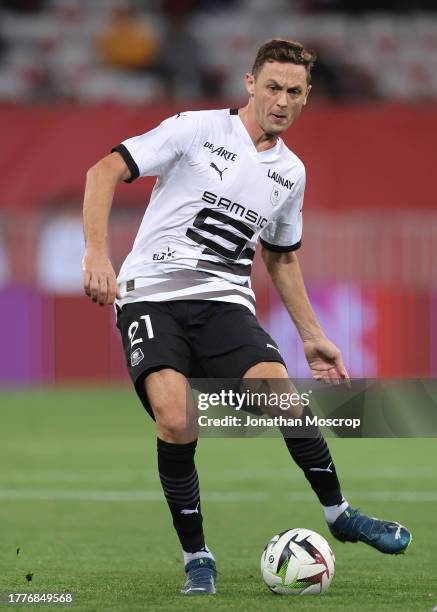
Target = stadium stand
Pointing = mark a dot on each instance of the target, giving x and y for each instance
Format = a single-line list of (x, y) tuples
[(59, 50)]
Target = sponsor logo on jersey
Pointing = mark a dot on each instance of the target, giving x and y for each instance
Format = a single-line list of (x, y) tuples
[(220, 151), (136, 356), (164, 255), (212, 165), (235, 208), (280, 179)]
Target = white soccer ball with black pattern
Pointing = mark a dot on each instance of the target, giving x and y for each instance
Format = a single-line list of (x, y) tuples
[(298, 562)]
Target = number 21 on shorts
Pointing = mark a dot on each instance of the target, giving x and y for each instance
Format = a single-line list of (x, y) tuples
[(133, 328)]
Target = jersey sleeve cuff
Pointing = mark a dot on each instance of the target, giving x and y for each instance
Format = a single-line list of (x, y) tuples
[(281, 249), (129, 161)]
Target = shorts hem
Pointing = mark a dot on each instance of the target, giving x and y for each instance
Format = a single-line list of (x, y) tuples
[(261, 360)]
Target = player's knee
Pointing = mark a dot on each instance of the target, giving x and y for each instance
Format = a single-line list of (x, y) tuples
[(177, 428), (275, 396)]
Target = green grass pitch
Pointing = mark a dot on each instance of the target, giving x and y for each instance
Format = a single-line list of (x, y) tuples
[(80, 498)]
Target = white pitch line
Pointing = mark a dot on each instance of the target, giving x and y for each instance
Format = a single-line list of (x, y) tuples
[(212, 496), (135, 477)]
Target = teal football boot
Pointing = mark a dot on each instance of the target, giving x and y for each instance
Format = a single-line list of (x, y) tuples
[(386, 536)]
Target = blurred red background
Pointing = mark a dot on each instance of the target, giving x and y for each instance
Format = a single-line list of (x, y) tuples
[(368, 250)]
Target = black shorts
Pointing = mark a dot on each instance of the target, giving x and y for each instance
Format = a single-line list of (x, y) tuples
[(200, 339)]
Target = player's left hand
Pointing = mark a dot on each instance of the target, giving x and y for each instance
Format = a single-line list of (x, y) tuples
[(325, 361)]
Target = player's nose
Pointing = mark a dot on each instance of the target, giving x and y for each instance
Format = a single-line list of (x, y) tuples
[(281, 100)]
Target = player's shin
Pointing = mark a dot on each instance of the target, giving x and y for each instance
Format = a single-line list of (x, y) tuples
[(313, 457), (180, 484)]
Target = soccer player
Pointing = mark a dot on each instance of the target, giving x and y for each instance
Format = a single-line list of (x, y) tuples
[(185, 307)]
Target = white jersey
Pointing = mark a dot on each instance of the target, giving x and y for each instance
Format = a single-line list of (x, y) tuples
[(215, 195)]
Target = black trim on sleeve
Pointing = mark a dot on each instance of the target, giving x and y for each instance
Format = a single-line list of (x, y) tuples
[(281, 249), (233, 111), (129, 160)]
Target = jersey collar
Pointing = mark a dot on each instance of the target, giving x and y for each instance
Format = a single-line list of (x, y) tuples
[(271, 154)]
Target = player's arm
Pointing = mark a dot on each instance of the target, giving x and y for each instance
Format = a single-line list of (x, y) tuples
[(323, 356), (99, 280)]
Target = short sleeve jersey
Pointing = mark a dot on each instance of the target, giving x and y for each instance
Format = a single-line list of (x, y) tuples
[(214, 197)]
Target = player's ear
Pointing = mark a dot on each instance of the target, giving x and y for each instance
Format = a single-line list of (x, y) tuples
[(250, 83), (307, 93)]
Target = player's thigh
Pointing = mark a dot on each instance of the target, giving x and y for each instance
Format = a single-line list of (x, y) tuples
[(153, 339), (236, 346), (171, 400), (231, 342)]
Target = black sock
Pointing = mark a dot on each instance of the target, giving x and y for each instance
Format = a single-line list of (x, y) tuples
[(180, 483), (313, 457)]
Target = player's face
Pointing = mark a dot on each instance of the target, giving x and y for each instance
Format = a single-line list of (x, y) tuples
[(278, 94)]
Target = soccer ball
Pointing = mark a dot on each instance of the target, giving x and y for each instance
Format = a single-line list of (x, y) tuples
[(298, 562)]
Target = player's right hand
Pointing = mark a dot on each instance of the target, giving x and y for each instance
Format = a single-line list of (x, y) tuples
[(99, 280)]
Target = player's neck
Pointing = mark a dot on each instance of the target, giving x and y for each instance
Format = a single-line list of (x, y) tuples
[(260, 139)]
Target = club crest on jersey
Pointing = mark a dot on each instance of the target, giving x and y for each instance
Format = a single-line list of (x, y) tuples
[(280, 179), (275, 196), (168, 254), (220, 151), (136, 356)]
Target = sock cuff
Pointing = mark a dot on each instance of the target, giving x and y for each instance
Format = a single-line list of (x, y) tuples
[(174, 448)]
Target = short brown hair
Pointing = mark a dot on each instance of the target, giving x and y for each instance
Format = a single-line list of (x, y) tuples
[(283, 50)]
